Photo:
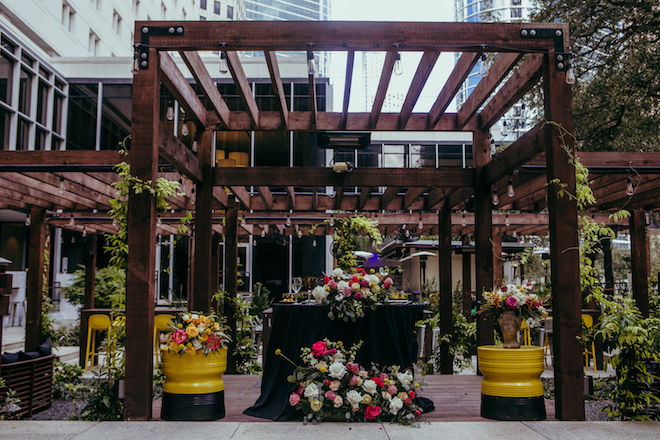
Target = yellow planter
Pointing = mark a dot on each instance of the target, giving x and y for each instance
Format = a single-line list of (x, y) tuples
[(193, 388), (511, 388)]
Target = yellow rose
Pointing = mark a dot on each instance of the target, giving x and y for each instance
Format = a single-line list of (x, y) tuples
[(216, 326), (190, 350), (316, 405), (203, 338), (416, 385), (372, 270), (174, 346), (192, 331), (366, 399)]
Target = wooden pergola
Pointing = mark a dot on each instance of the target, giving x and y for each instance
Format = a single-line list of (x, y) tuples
[(525, 54)]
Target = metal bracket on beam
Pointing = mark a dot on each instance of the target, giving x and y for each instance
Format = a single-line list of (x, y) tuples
[(142, 49), (561, 58)]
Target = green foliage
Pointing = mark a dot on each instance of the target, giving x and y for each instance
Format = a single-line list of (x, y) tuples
[(108, 282), (345, 240), (246, 350), (260, 299), (10, 402), (102, 403), (67, 382), (66, 336)]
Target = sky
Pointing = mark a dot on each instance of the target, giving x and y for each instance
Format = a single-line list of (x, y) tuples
[(392, 10)]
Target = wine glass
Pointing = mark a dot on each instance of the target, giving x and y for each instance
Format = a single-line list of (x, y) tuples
[(296, 285)]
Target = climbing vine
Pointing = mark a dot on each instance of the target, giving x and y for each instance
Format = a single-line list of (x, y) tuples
[(346, 237)]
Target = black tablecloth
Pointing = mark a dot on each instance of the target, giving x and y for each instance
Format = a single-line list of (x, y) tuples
[(387, 332)]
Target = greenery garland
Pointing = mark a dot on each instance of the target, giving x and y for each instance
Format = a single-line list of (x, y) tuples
[(345, 238)]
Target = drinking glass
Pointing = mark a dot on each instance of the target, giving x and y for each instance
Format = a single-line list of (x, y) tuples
[(296, 285)]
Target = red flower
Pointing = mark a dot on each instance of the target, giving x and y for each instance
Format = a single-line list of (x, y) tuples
[(412, 394), (504, 288), (358, 295), (378, 381), (371, 412), (408, 401), (355, 279), (319, 348), (418, 412), (361, 271), (326, 279)]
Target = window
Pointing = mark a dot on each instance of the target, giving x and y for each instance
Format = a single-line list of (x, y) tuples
[(58, 102), (42, 102), (4, 128), (6, 74), (7, 45), (22, 135), (202, 4), (230, 12), (94, 41), (24, 92), (68, 16), (116, 22), (202, 18), (216, 8)]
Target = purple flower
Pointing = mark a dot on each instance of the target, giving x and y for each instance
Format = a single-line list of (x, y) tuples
[(511, 302)]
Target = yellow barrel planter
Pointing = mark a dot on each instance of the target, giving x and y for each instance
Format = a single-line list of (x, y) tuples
[(511, 388), (193, 388)]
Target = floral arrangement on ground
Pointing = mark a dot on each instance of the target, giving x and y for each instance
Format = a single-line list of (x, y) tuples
[(192, 332), (349, 293), (332, 387), (516, 297)]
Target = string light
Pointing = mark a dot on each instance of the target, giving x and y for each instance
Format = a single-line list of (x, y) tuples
[(184, 127), (463, 221), (170, 111), (311, 65), (506, 220), (159, 221), (314, 243), (71, 220), (376, 222), (515, 234), (263, 233), (505, 129), (510, 190), (288, 220), (484, 65), (630, 189), (493, 147), (28, 220), (332, 220), (84, 232), (62, 188), (420, 225), (496, 199), (114, 222), (398, 65), (192, 195), (570, 75), (223, 63)]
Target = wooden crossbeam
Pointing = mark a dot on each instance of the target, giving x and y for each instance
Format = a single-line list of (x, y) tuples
[(204, 80), (178, 85), (278, 88), (315, 199), (221, 196), (175, 152), (436, 195), (528, 146), (365, 193), (290, 190), (56, 161), (411, 195), (419, 80), (18, 192), (48, 187), (350, 59), (381, 92), (339, 197), (389, 195), (266, 196), (500, 68), (242, 195), (456, 79), (243, 85)]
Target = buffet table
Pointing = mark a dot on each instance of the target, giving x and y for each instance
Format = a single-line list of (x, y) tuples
[(387, 332)]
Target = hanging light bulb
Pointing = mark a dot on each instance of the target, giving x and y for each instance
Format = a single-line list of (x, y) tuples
[(463, 221), (311, 65), (254, 241), (192, 195), (314, 243), (420, 225), (496, 199), (62, 188), (114, 222), (332, 220), (398, 65), (73, 240), (376, 222), (223, 63), (506, 220), (288, 220), (523, 113), (194, 146), (28, 221), (299, 233), (505, 129), (170, 111), (509, 189), (630, 190), (184, 127), (570, 75), (71, 221), (159, 221), (483, 71), (263, 233), (84, 233), (493, 147), (515, 234)]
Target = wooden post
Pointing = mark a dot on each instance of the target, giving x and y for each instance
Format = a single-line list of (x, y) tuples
[(467, 281), (141, 263), (203, 285), (498, 270), (231, 280), (35, 278), (483, 235), (607, 264), (446, 319), (564, 246), (216, 259), (638, 257), (90, 286)]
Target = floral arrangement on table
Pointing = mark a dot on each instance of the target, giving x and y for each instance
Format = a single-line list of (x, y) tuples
[(332, 387), (518, 298), (192, 332), (349, 293)]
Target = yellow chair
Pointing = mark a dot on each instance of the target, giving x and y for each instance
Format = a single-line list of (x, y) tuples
[(161, 324), (588, 323), (94, 323), (527, 337)]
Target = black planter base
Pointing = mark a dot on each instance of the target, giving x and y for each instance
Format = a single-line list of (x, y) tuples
[(193, 407), (512, 408)]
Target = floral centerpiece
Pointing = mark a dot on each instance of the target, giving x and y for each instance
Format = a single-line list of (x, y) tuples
[(518, 298), (332, 387), (193, 332), (349, 293)]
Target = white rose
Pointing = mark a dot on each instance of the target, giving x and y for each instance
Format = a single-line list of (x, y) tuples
[(371, 278), (196, 344), (185, 317), (354, 398), (337, 370), (369, 386), (338, 357), (395, 405), (311, 391), (339, 297), (320, 294), (194, 316), (337, 273), (341, 285), (405, 378)]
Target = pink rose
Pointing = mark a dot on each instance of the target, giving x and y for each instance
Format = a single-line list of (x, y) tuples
[(392, 390), (326, 279), (338, 401), (213, 341), (511, 302), (330, 395), (332, 284), (348, 291), (353, 368), (180, 336), (354, 381), (384, 376), (334, 385), (358, 295), (388, 282), (364, 283), (319, 348), (529, 301), (371, 412), (294, 399)]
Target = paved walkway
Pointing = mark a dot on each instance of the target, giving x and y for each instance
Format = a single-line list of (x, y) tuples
[(365, 431)]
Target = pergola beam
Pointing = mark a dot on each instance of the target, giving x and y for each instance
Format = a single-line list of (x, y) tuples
[(456, 79), (278, 88), (520, 152), (419, 80), (204, 80), (241, 81), (178, 85), (177, 154)]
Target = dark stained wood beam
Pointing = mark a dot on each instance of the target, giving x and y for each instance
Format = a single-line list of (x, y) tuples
[(389, 195), (458, 196), (291, 192), (350, 59), (52, 182), (436, 195), (314, 110), (445, 255), (500, 68), (278, 88), (20, 192), (339, 197), (236, 69), (35, 279), (59, 161), (412, 195), (521, 80), (177, 154), (178, 85), (517, 154), (365, 193), (381, 91), (266, 196), (456, 79), (204, 80), (242, 195), (315, 199), (419, 80), (361, 176)]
